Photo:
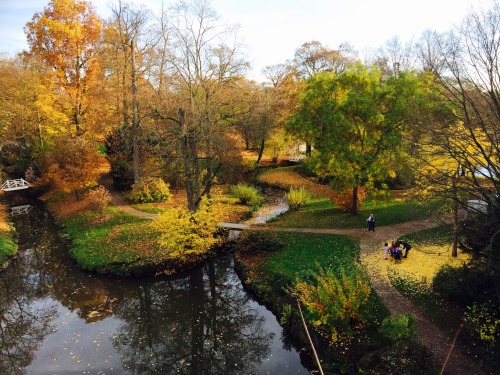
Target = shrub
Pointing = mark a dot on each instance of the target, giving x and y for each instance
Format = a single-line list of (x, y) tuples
[(150, 190), (183, 233), (252, 241), (98, 198), (286, 313), (336, 301), (248, 195), (484, 321), (463, 285), (399, 327), (297, 198), (343, 199)]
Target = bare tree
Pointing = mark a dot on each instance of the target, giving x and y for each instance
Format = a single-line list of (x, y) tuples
[(130, 41), (205, 63), (465, 63)]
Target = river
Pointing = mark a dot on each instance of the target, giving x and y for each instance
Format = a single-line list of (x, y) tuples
[(58, 319)]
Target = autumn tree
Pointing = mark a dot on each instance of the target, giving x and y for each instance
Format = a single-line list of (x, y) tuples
[(129, 42), (205, 63), (70, 166), (312, 58), (66, 37), (356, 121), (465, 61), (29, 111)]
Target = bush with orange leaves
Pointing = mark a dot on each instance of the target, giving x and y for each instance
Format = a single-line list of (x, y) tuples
[(343, 199), (98, 199)]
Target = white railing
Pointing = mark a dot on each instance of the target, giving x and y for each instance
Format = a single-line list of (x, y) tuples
[(15, 185), (20, 210)]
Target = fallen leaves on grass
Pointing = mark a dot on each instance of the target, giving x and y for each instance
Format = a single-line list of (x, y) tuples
[(288, 178), (422, 264)]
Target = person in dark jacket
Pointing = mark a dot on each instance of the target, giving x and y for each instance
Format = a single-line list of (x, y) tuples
[(407, 247), (371, 223)]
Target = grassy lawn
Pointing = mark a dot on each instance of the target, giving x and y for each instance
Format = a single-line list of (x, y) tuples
[(114, 237), (303, 255), (287, 177), (305, 252), (7, 245), (322, 213)]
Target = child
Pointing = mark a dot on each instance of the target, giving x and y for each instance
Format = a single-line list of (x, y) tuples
[(397, 255), (386, 250)]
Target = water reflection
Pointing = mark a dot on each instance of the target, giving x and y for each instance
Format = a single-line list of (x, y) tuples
[(197, 325), (55, 318)]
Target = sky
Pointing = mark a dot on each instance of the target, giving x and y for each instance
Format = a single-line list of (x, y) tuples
[(273, 29)]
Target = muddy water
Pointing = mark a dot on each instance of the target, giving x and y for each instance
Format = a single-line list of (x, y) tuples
[(58, 319)]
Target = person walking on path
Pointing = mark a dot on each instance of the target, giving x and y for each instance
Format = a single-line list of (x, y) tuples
[(371, 223)]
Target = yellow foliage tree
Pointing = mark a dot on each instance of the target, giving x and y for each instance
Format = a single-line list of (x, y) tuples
[(66, 37), (186, 233)]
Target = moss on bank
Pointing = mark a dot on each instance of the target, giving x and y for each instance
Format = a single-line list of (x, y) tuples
[(8, 247)]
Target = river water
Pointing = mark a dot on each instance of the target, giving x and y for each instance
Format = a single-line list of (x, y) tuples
[(58, 319)]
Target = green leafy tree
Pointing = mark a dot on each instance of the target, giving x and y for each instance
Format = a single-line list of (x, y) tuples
[(356, 120)]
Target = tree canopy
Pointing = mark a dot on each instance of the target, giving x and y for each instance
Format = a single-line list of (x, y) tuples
[(355, 121)]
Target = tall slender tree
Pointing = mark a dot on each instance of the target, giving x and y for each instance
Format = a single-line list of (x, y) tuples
[(205, 63)]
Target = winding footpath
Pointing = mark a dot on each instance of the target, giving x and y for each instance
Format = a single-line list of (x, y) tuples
[(430, 335)]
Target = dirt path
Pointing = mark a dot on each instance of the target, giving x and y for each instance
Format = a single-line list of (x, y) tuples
[(430, 335), (117, 200)]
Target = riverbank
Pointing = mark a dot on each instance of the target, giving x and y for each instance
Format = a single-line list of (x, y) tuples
[(118, 240), (8, 247)]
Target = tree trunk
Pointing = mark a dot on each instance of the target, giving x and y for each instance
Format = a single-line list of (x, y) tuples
[(190, 163), (261, 150), (454, 252), (308, 149), (136, 126), (354, 207)]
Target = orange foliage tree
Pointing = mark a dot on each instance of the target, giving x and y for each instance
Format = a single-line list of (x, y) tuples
[(66, 37), (72, 165)]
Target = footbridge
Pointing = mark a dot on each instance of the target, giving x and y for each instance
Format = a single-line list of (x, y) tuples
[(234, 229), (18, 184)]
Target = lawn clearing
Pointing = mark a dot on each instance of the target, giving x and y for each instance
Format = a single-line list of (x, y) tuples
[(286, 178), (322, 213), (113, 237), (305, 252)]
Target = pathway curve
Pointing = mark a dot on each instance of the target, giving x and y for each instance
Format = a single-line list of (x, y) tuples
[(117, 200), (431, 336)]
